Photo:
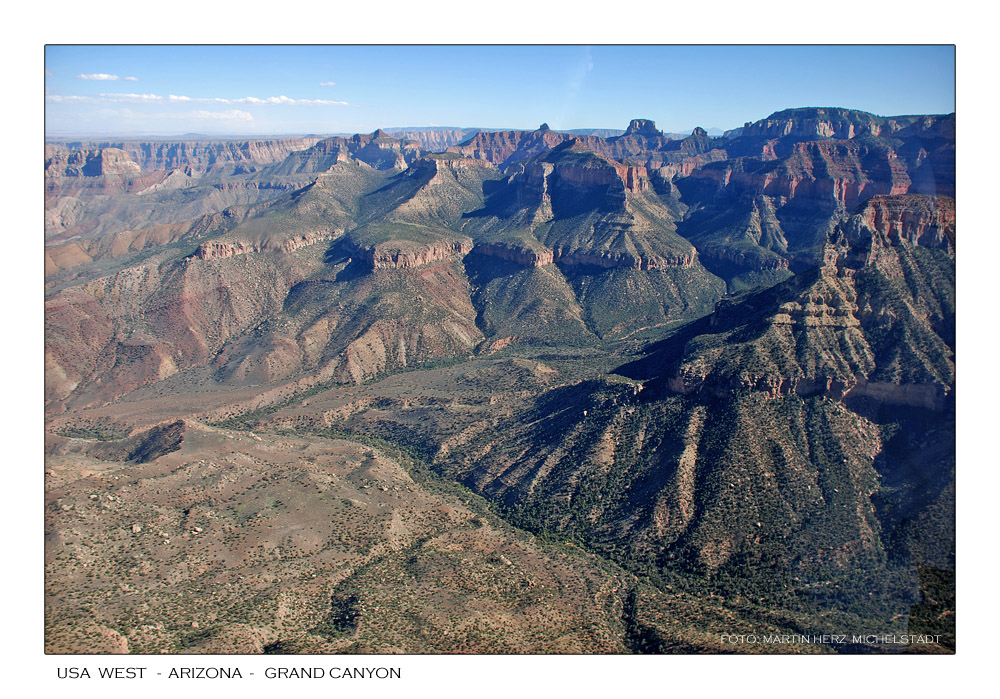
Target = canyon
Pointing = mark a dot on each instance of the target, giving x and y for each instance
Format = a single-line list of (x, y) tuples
[(521, 391)]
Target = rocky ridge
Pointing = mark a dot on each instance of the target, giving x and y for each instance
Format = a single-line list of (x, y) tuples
[(63, 159)]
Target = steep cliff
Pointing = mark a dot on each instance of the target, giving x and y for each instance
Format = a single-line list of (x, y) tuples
[(199, 156)]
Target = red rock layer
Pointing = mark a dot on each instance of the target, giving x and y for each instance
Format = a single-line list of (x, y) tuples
[(216, 249), (921, 220), (384, 257)]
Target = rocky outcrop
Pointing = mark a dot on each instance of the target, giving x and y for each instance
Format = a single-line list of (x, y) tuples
[(597, 174), (143, 447), (792, 178), (574, 207), (525, 256), (403, 256), (537, 257), (91, 162), (642, 127), (820, 122), (930, 396), (217, 249), (846, 174), (817, 124), (620, 260), (918, 219), (580, 174), (110, 161)]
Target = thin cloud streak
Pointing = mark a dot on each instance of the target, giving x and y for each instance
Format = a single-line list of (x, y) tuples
[(147, 98)]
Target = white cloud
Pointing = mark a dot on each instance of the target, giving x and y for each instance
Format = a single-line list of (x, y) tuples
[(131, 79), (275, 100), (328, 84), (97, 76), (133, 97)]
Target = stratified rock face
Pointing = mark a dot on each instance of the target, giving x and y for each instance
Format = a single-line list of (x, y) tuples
[(90, 189), (216, 249), (604, 260), (520, 255), (844, 174), (921, 220), (392, 256), (201, 156), (576, 183), (595, 224), (92, 162), (110, 161), (642, 127), (810, 123), (610, 260), (77, 192)]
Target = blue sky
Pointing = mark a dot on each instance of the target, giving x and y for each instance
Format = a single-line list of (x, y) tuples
[(329, 89)]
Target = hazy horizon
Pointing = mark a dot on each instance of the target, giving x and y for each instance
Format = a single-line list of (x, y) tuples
[(60, 135)]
